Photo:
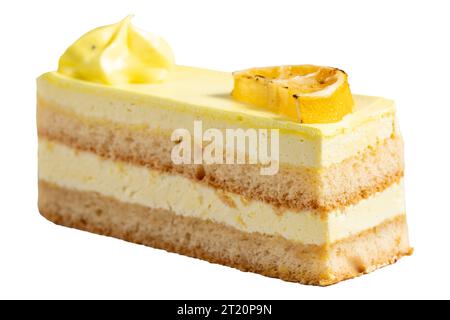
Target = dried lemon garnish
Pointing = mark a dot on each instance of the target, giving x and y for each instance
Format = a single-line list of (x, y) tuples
[(304, 93)]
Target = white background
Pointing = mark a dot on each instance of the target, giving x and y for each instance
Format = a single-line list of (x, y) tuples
[(398, 49)]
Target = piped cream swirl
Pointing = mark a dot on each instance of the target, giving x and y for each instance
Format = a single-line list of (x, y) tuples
[(118, 54)]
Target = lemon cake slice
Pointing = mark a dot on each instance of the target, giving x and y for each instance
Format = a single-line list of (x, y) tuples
[(325, 205)]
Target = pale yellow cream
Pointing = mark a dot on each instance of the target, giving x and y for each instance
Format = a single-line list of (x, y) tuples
[(118, 54), (197, 94), (86, 171)]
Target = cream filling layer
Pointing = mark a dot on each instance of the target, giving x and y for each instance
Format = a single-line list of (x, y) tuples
[(193, 94), (85, 171)]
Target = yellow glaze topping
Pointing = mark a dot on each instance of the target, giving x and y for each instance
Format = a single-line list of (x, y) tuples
[(203, 93), (118, 54)]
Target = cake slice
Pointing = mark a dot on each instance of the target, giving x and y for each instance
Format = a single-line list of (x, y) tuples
[(330, 208)]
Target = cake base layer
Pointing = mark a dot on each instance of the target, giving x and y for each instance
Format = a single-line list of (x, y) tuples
[(271, 256)]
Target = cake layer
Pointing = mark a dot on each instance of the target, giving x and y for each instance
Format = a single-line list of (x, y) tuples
[(79, 170), (272, 256), (197, 94), (297, 187)]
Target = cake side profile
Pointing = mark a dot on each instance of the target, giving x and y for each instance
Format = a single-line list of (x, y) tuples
[(333, 209)]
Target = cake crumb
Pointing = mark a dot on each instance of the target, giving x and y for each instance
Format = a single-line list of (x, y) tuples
[(226, 199)]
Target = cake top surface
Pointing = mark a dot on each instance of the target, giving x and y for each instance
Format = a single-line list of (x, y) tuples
[(207, 94)]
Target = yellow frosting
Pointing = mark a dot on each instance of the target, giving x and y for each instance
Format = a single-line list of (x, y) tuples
[(192, 93), (118, 54)]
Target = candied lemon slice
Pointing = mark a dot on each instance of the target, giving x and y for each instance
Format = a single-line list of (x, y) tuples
[(304, 93)]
